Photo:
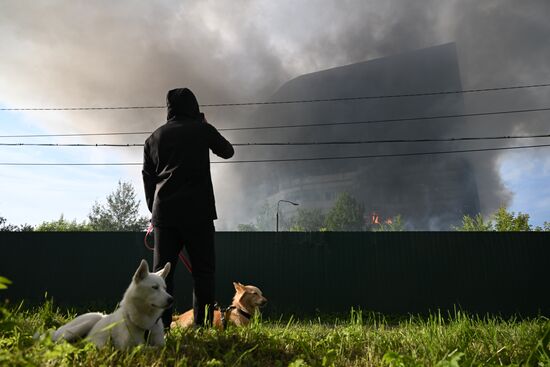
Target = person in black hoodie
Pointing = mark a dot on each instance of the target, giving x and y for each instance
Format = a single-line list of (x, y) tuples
[(180, 196)]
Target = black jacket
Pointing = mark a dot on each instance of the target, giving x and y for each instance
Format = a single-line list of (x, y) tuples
[(176, 164)]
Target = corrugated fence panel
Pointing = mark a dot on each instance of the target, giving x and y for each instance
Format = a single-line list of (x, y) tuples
[(390, 272)]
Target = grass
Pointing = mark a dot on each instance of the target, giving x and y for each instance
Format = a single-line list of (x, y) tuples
[(359, 339)]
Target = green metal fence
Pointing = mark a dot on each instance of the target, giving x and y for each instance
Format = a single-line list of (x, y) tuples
[(390, 272)]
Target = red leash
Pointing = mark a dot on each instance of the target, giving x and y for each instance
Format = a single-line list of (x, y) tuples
[(183, 259)]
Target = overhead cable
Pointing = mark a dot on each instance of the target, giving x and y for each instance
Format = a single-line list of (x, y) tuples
[(316, 100), (403, 119), (341, 142), (294, 159)]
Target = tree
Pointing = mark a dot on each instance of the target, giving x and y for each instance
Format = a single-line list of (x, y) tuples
[(394, 225), (347, 214), (307, 220), (63, 225), (500, 221), (505, 221), (120, 213), (475, 224), (5, 227), (265, 221), (246, 227)]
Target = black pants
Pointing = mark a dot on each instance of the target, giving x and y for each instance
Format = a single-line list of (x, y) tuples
[(199, 244)]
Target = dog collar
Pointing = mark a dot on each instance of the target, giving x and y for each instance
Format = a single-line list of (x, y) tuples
[(239, 310), (244, 313), (224, 319), (146, 332)]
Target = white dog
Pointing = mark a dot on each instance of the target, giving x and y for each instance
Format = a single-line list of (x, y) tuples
[(137, 319)]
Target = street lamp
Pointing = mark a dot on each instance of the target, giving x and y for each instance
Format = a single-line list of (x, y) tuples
[(284, 201)]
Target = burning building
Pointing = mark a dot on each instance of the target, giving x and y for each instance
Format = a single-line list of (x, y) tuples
[(430, 192)]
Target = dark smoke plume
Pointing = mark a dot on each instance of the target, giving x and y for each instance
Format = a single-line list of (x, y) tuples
[(65, 53)]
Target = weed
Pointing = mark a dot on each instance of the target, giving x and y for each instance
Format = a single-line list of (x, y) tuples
[(363, 339)]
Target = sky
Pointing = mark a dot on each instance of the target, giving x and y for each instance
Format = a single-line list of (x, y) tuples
[(104, 53)]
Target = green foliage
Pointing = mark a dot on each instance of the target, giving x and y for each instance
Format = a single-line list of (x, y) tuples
[(452, 360), (246, 227), (298, 363), (5, 314), (25, 228), (476, 224), (509, 222), (347, 214), (307, 220), (396, 225), (501, 221), (393, 359), (120, 213), (265, 221), (63, 225), (541, 352), (6, 227), (4, 282), (368, 340)]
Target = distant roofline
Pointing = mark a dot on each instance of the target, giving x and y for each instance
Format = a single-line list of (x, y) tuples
[(375, 60)]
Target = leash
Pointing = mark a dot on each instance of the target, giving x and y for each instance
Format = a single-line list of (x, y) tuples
[(183, 259), (228, 309)]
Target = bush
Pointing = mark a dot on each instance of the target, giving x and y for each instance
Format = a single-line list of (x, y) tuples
[(346, 214), (63, 225), (500, 221)]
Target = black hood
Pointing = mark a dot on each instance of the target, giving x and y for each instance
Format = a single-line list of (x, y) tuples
[(181, 103)]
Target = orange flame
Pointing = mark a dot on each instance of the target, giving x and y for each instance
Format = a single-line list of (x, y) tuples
[(375, 219)]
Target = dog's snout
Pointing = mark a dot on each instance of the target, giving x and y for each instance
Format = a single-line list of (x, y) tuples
[(170, 300)]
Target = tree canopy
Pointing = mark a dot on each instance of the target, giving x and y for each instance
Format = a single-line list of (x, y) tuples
[(6, 227), (308, 220), (119, 213), (347, 214), (63, 225), (500, 221)]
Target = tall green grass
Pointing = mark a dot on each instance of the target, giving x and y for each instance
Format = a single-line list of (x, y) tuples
[(360, 339)]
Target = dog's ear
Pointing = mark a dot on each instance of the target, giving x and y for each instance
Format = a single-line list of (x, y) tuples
[(164, 272), (238, 287), (141, 272)]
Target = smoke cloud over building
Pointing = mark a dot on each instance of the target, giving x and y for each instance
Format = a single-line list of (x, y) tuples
[(429, 192), (125, 53)]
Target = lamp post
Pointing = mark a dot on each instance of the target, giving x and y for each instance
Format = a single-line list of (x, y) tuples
[(284, 201)]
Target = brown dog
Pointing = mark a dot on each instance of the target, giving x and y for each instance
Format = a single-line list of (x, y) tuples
[(247, 301)]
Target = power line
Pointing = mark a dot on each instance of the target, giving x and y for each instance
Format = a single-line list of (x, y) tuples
[(342, 99), (75, 134), (295, 159), (404, 119), (355, 142), (70, 145)]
